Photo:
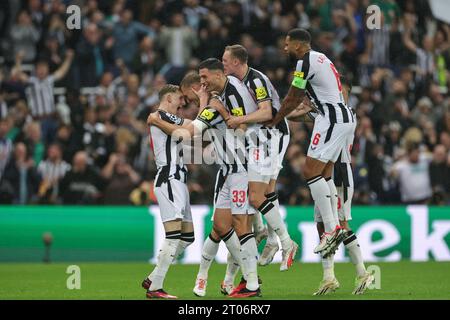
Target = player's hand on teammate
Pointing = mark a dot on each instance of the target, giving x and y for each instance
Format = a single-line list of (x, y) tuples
[(202, 95), (152, 118), (233, 122)]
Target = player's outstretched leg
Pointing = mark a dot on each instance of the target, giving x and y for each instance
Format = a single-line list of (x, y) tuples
[(259, 228), (249, 268), (165, 258), (272, 215), (329, 283), (227, 285), (270, 249), (209, 251), (363, 278), (187, 238)]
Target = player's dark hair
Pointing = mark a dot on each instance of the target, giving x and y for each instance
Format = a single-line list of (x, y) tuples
[(189, 79), (239, 52), (211, 64), (168, 88), (300, 35)]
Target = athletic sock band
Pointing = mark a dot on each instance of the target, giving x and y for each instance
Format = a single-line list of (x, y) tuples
[(173, 235), (351, 236), (188, 237), (213, 240), (265, 207), (272, 196), (245, 237), (228, 235), (314, 179)]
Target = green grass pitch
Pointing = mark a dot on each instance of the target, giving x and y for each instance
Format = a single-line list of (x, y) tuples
[(401, 280)]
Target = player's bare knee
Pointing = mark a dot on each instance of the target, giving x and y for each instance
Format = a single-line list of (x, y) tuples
[(221, 228), (240, 224), (256, 199)]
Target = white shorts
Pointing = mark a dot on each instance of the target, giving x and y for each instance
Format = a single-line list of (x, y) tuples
[(231, 192), (281, 151), (328, 139), (344, 207), (266, 161), (173, 201)]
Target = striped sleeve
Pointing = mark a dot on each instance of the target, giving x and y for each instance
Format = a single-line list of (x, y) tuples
[(235, 102), (210, 117), (260, 89)]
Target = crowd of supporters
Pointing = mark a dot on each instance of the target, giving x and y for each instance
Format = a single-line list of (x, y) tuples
[(73, 103)]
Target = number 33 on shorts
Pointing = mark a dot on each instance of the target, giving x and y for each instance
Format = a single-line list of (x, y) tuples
[(239, 196)]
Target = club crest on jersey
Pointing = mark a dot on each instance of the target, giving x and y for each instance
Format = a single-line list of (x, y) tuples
[(261, 93), (237, 112), (207, 114)]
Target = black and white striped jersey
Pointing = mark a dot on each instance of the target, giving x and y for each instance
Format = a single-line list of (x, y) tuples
[(6, 150), (262, 89), (40, 96), (168, 152), (53, 171), (237, 98), (230, 147), (323, 87)]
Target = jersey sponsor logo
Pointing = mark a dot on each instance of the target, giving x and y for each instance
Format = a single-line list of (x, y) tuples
[(237, 112), (206, 115), (261, 93)]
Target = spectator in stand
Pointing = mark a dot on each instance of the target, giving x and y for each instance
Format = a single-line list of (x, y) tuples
[(440, 174), (92, 56), (22, 176), (122, 180), (52, 170), (83, 184), (5, 146), (40, 94), (24, 37), (413, 176), (178, 41), (126, 35)]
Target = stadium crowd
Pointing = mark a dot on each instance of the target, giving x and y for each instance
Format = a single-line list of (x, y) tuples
[(73, 103)]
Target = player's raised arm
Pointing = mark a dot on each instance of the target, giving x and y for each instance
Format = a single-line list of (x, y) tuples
[(297, 46)]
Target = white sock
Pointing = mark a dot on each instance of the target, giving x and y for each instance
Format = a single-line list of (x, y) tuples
[(272, 237), (249, 260), (165, 258), (334, 197), (209, 252), (272, 215), (258, 223), (232, 270), (186, 240), (320, 193), (354, 252), (233, 245), (328, 267)]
